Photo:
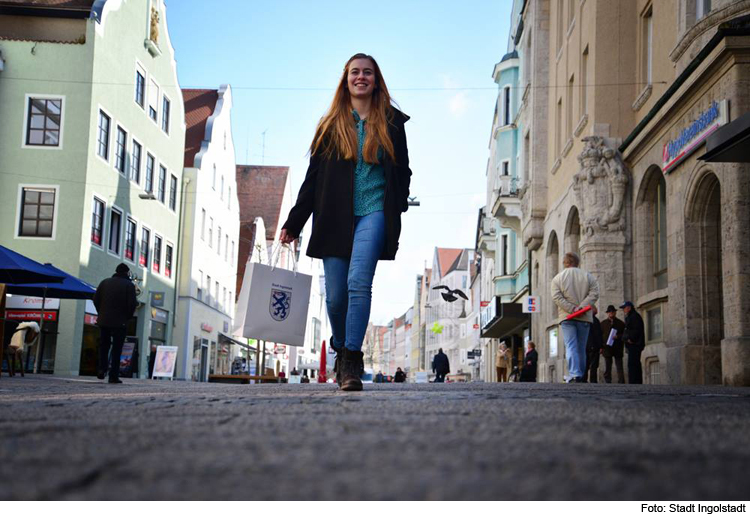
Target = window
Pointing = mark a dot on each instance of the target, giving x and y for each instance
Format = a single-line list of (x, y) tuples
[(135, 162), (150, 163), (97, 222), (225, 140), (505, 168), (165, 108), (660, 235), (173, 192), (44, 121), (226, 247), (140, 87), (653, 371), (157, 254), (560, 23), (37, 212), (121, 150), (232, 251), (558, 131), (218, 240), (145, 246), (647, 46), (213, 180), (229, 198), (316, 334), (584, 80), (161, 191), (102, 148), (506, 105), (199, 293), (211, 232), (203, 224), (552, 338), (216, 294), (115, 230), (569, 103), (224, 299), (504, 264), (221, 196), (153, 100), (208, 289), (130, 228), (654, 331), (702, 8), (168, 261)]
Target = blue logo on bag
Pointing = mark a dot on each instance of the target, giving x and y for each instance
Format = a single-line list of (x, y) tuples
[(280, 302)]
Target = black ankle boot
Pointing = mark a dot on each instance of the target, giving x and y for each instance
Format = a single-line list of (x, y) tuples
[(351, 369), (337, 362)]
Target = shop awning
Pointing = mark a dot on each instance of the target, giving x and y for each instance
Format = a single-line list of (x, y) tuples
[(237, 342), (508, 319), (730, 143)]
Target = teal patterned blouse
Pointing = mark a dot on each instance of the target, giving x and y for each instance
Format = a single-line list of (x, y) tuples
[(369, 179)]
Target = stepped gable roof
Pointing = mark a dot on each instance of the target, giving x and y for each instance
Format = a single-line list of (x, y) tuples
[(446, 258), (260, 192), (199, 106)]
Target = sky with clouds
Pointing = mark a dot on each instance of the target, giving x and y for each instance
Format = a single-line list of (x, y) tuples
[(283, 59)]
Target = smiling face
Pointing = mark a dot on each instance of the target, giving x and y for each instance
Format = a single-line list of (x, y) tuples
[(361, 78)]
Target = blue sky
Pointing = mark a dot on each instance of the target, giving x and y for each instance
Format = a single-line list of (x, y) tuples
[(437, 58)]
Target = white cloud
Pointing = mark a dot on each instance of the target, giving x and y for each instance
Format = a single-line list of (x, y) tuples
[(459, 104)]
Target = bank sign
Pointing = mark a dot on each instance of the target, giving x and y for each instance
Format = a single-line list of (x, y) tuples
[(691, 137)]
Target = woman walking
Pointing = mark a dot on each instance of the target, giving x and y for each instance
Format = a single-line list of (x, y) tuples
[(356, 188)]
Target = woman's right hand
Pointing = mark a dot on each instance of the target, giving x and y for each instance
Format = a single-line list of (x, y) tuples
[(285, 237)]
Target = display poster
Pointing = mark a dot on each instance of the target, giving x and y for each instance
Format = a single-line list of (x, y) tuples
[(166, 359), (129, 357)]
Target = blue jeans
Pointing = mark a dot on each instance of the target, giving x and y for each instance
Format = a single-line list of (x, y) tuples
[(349, 282), (575, 335)]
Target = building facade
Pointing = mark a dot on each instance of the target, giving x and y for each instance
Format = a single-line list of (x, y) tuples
[(91, 153), (210, 236), (635, 88)]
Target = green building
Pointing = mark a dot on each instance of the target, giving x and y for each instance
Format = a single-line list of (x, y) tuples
[(92, 137)]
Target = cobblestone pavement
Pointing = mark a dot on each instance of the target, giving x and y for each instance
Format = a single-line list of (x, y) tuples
[(78, 438)]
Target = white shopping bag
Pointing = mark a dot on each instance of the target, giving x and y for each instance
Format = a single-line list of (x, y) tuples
[(273, 304)]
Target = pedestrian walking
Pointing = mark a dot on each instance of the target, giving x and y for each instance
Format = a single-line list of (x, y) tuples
[(594, 349), (23, 339), (574, 290), (635, 341), (400, 375), (530, 359), (115, 304), (502, 362), (356, 188), (614, 351), (379, 377), (440, 366)]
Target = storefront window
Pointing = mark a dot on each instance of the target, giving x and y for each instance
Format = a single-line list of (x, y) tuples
[(654, 322), (660, 234)]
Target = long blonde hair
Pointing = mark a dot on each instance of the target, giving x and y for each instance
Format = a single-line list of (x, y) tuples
[(336, 134)]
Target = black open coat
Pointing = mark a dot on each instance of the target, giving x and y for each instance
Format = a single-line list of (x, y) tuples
[(328, 194)]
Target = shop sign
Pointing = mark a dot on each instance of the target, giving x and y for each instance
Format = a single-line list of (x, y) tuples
[(487, 315), (530, 304), (694, 135), (484, 303), (31, 302), (157, 299), (90, 319), (206, 327), (473, 353), (279, 349), (159, 315), (30, 315)]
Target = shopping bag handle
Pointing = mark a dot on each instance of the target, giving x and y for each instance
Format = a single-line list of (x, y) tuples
[(276, 255)]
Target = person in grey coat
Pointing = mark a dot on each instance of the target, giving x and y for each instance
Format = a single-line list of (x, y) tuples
[(115, 303)]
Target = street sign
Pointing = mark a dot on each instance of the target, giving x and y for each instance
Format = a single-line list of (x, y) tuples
[(473, 353), (530, 304)]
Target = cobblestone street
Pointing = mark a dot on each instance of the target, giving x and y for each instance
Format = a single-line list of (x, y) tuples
[(79, 438)]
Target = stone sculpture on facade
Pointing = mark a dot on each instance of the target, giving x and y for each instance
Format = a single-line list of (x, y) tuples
[(154, 33), (600, 187)]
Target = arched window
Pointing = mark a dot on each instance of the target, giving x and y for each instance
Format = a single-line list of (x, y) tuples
[(660, 234)]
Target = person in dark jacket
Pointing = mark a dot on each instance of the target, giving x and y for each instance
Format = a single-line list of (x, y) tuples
[(356, 188), (440, 366), (115, 302), (635, 342), (594, 346), (614, 351), (400, 375), (530, 359)]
